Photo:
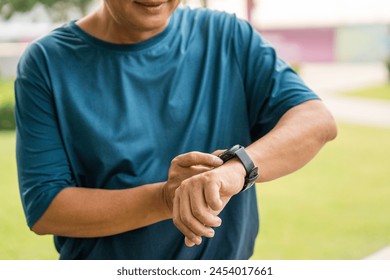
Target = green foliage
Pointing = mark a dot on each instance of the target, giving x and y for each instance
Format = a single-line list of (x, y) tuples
[(56, 8), (296, 67), (7, 119), (381, 92)]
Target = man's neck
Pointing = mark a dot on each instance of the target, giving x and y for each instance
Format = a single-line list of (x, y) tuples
[(100, 25)]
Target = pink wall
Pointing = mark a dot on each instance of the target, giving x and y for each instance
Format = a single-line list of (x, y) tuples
[(303, 45)]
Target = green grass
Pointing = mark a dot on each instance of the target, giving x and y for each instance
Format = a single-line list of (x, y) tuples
[(337, 207), (16, 240), (7, 119), (6, 91), (381, 92)]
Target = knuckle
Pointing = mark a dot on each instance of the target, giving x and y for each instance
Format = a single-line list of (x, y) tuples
[(176, 220), (177, 192), (210, 176), (185, 185), (174, 161), (186, 220), (191, 157), (173, 175), (198, 213)]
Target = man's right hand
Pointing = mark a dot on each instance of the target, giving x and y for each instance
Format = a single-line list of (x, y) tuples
[(185, 166)]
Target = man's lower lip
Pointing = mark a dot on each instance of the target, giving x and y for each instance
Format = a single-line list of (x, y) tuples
[(149, 5)]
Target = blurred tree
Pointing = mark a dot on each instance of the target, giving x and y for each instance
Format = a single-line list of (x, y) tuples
[(57, 9)]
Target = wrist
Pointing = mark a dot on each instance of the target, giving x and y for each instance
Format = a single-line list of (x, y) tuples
[(251, 171), (165, 201), (236, 169)]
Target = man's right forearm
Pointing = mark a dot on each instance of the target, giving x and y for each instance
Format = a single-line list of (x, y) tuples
[(87, 212)]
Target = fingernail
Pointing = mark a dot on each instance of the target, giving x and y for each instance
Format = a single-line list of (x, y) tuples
[(197, 240), (188, 242), (218, 161), (210, 234)]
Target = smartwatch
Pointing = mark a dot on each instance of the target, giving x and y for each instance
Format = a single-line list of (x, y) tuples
[(252, 172)]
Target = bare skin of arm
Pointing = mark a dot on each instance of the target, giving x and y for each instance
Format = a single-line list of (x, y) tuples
[(197, 183), (88, 212), (295, 140)]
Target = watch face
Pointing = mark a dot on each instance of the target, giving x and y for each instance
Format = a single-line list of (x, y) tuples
[(225, 156), (229, 154), (251, 170)]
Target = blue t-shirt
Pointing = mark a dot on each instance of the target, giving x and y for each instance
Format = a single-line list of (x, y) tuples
[(101, 115)]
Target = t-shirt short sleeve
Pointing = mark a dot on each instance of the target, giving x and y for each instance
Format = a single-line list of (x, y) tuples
[(272, 86), (43, 168)]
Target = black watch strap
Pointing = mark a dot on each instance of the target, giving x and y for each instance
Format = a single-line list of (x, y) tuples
[(251, 170), (245, 159)]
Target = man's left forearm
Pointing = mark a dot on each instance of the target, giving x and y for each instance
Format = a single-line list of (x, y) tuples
[(295, 140)]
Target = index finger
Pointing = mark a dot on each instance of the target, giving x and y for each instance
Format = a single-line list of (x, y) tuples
[(197, 158)]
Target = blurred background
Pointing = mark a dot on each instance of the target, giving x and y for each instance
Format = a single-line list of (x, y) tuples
[(338, 206)]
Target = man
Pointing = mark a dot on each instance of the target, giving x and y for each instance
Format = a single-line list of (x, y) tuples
[(121, 116)]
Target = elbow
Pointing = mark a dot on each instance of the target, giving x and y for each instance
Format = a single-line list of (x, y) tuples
[(324, 123), (330, 128), (38, 230), (333, 133)]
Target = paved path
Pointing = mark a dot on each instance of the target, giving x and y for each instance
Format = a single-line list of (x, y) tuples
[(329, 80), (359, 111), (383, 254)]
